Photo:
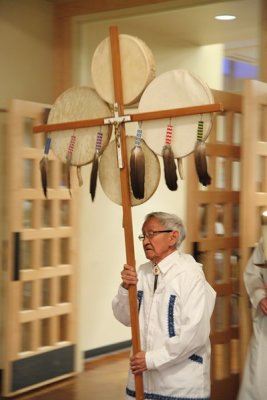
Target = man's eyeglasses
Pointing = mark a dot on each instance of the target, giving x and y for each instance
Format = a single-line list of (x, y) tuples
[(151, 234)]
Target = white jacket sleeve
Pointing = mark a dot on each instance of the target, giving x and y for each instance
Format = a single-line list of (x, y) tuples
[(197, 304), (253, 277), (121, 308)]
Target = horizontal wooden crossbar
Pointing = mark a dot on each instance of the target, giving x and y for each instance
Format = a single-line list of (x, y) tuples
[(145, 116)]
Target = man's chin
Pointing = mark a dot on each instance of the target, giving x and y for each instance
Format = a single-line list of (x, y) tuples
[(149, 254)]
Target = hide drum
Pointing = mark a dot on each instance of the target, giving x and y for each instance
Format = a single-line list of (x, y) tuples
[(109, 172), (137, 69), (77, 104), (175, 89)]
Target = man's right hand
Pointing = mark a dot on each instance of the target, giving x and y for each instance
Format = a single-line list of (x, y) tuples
[(128, 276)]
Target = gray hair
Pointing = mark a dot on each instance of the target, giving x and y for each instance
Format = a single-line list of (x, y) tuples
[(169, 221)]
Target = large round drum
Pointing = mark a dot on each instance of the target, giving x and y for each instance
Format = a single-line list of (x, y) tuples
[(137, 69), (109, 172), (77, 104), (175, 89)]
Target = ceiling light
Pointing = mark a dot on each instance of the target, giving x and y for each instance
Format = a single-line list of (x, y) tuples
[(225, 17)]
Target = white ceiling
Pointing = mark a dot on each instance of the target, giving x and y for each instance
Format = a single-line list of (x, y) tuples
[(196, 24)]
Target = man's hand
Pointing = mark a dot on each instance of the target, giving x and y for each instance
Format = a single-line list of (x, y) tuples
[(128, 276), (138, 363)]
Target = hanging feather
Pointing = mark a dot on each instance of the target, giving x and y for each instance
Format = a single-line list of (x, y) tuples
[(44, 165), (180, 167), (45, 115), (137, 167), (93, 178), (94, 171), (44, 169), (169, 168), (79, 175), (169, 161), (200, 157), (68, 159)]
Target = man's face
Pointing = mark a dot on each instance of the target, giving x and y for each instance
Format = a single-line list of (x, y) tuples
[(161, 244)]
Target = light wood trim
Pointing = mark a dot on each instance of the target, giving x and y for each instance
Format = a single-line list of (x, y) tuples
[(216, 242), (230, 101), (35, 338), (47, 233), (46, 272), (260, 199), (223, 150), (219, 197), (32, 153), (261, 148), (45, 312), (14, 332), (52, 194)]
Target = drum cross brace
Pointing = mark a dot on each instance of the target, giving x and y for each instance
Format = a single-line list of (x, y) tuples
[(119, 121)]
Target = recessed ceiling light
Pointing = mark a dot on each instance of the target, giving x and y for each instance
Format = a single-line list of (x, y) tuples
[(225, 17)]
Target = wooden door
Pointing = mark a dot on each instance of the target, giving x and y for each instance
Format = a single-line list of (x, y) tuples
[(213, 238), (39, 334)]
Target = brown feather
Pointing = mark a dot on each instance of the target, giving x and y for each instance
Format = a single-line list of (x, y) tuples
[(43, 164), (201, 163), (169, 167), (137, 172), (94, 171), (45, 115), (93, 178), (44, 169)]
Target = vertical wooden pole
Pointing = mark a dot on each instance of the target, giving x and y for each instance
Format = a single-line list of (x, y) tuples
[(126, 203)]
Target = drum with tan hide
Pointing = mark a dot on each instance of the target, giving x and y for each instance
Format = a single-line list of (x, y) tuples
[(175, 89), (77, 104), (137, 68), (109, 172)]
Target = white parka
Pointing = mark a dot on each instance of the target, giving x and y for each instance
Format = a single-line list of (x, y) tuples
[(174, 329), (254, 383)]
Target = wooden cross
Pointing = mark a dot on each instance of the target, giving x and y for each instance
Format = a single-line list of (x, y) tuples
[(119, 120)]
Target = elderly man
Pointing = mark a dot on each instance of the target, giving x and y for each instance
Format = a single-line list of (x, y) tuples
[(175, 306)]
